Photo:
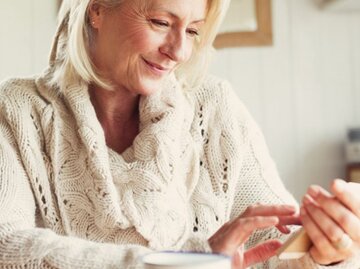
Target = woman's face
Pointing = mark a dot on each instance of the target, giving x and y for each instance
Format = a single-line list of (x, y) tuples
[(136, 48)]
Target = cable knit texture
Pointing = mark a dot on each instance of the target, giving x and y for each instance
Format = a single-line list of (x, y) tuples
[(69, 201)]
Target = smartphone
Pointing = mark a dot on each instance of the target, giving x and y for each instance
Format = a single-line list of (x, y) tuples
[(296, 246)]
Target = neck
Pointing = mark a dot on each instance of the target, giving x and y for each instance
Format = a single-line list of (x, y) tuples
[(118, 114), (114, 107)]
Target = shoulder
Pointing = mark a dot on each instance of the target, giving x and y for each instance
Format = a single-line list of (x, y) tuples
[(219, 96), (16, 84), (22, 104), (21, 92), (214, 88), (18, 89)]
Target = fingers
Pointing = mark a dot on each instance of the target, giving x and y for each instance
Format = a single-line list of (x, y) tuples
[(290, 220), (261, 253), (322, 259), (284, 229), (244, 227), (326, 224), (286, 213), (238, 258), (269, 210), (325, 251), (327, 218), (315, 190), (339, 213), (235, 233), (348, 194)]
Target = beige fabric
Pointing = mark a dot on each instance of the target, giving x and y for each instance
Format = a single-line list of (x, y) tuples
[(68, 201)]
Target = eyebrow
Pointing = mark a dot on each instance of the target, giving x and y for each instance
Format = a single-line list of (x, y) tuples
[(177, 17)]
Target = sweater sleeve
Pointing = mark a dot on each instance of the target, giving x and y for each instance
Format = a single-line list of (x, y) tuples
[(22, 245), (259, 175)]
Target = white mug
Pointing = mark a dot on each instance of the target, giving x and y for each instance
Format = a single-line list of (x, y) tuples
[(185, 260)]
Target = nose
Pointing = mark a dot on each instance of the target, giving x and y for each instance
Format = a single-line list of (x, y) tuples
[(175, 47)]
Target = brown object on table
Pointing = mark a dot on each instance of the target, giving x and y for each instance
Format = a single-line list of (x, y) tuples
[(296, 246), (353, 172)]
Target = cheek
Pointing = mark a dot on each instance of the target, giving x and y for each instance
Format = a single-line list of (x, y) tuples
[(145, 40), (141, 41), (139, 36), (189, 50)]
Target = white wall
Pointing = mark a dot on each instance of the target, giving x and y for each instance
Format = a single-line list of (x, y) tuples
[(26, 31), (304, 91)]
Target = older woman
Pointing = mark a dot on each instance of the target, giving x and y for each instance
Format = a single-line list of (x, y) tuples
[(124, 146)]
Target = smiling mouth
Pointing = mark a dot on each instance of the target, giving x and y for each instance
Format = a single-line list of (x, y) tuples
[(156, 67)]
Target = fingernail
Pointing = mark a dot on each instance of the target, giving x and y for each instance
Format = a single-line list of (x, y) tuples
[(340, 185), (307, 199), (290, 207), (313, 191), (275, 220)]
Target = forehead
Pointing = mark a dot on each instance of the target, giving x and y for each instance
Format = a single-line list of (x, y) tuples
[(194, 9)]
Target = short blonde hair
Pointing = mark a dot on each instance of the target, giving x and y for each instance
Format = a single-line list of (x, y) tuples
[(70, 57)]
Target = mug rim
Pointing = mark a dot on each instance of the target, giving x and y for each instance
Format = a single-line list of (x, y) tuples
[(224, 257)]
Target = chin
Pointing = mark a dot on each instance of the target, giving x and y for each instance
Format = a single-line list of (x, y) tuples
[(149, 88), (144, 90), (147, 91)]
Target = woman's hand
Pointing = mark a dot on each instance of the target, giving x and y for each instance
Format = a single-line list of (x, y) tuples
[(230, 238), (332, 221)]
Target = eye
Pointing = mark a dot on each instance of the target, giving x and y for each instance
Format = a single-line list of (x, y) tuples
[(160, 23), (193, 32)]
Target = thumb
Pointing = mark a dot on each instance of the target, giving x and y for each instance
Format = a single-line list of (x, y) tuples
[(261, 253), (238, 258)]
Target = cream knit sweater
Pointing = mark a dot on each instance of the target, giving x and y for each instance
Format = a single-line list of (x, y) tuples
[(69, 201)]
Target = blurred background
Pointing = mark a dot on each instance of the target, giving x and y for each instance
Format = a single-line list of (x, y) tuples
[(303, 89)]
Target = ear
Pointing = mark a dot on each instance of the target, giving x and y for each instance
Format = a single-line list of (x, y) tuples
[(95, 13)]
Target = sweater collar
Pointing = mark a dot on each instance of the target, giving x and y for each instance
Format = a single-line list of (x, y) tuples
[(159, 167)]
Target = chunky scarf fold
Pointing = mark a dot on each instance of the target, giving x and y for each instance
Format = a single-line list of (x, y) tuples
[(150, 189)]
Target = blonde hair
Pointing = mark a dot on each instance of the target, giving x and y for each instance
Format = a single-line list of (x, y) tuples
[(70, 57)]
